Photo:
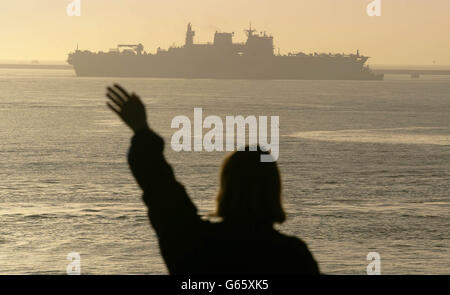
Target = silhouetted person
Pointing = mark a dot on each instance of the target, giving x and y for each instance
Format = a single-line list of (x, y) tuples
[(249, 203)]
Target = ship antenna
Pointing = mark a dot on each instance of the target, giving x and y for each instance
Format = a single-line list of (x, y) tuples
[(250, 31)]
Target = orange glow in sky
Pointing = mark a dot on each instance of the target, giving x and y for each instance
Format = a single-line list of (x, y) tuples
[(412, 32)]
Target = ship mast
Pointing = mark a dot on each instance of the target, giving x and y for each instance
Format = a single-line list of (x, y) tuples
[(250, 31)]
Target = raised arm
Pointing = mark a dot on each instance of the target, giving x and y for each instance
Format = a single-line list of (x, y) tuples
[(171, 212)]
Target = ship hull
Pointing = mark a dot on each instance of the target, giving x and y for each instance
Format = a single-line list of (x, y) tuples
[(268, 68)]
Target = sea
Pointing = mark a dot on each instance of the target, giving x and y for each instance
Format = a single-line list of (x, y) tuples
[(365, 168)]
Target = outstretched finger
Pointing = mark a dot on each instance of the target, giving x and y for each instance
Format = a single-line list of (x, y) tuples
[(118, 96), (118, 102), (114, 109), (122, 90)]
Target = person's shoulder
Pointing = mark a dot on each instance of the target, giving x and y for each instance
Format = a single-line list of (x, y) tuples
[(301, 255), (295, 246), (293, 241)]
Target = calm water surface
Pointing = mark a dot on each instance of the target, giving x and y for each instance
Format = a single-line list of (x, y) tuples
[(365, 166)]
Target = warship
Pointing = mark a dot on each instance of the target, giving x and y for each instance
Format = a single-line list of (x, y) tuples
[(222, 59)]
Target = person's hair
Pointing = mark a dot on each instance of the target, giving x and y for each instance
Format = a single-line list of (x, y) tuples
[(250, 190)]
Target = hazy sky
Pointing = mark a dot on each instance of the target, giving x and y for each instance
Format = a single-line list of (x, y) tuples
[(408, 32)]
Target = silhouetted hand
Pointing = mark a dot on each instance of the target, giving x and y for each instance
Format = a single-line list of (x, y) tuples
[(128, 107)]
